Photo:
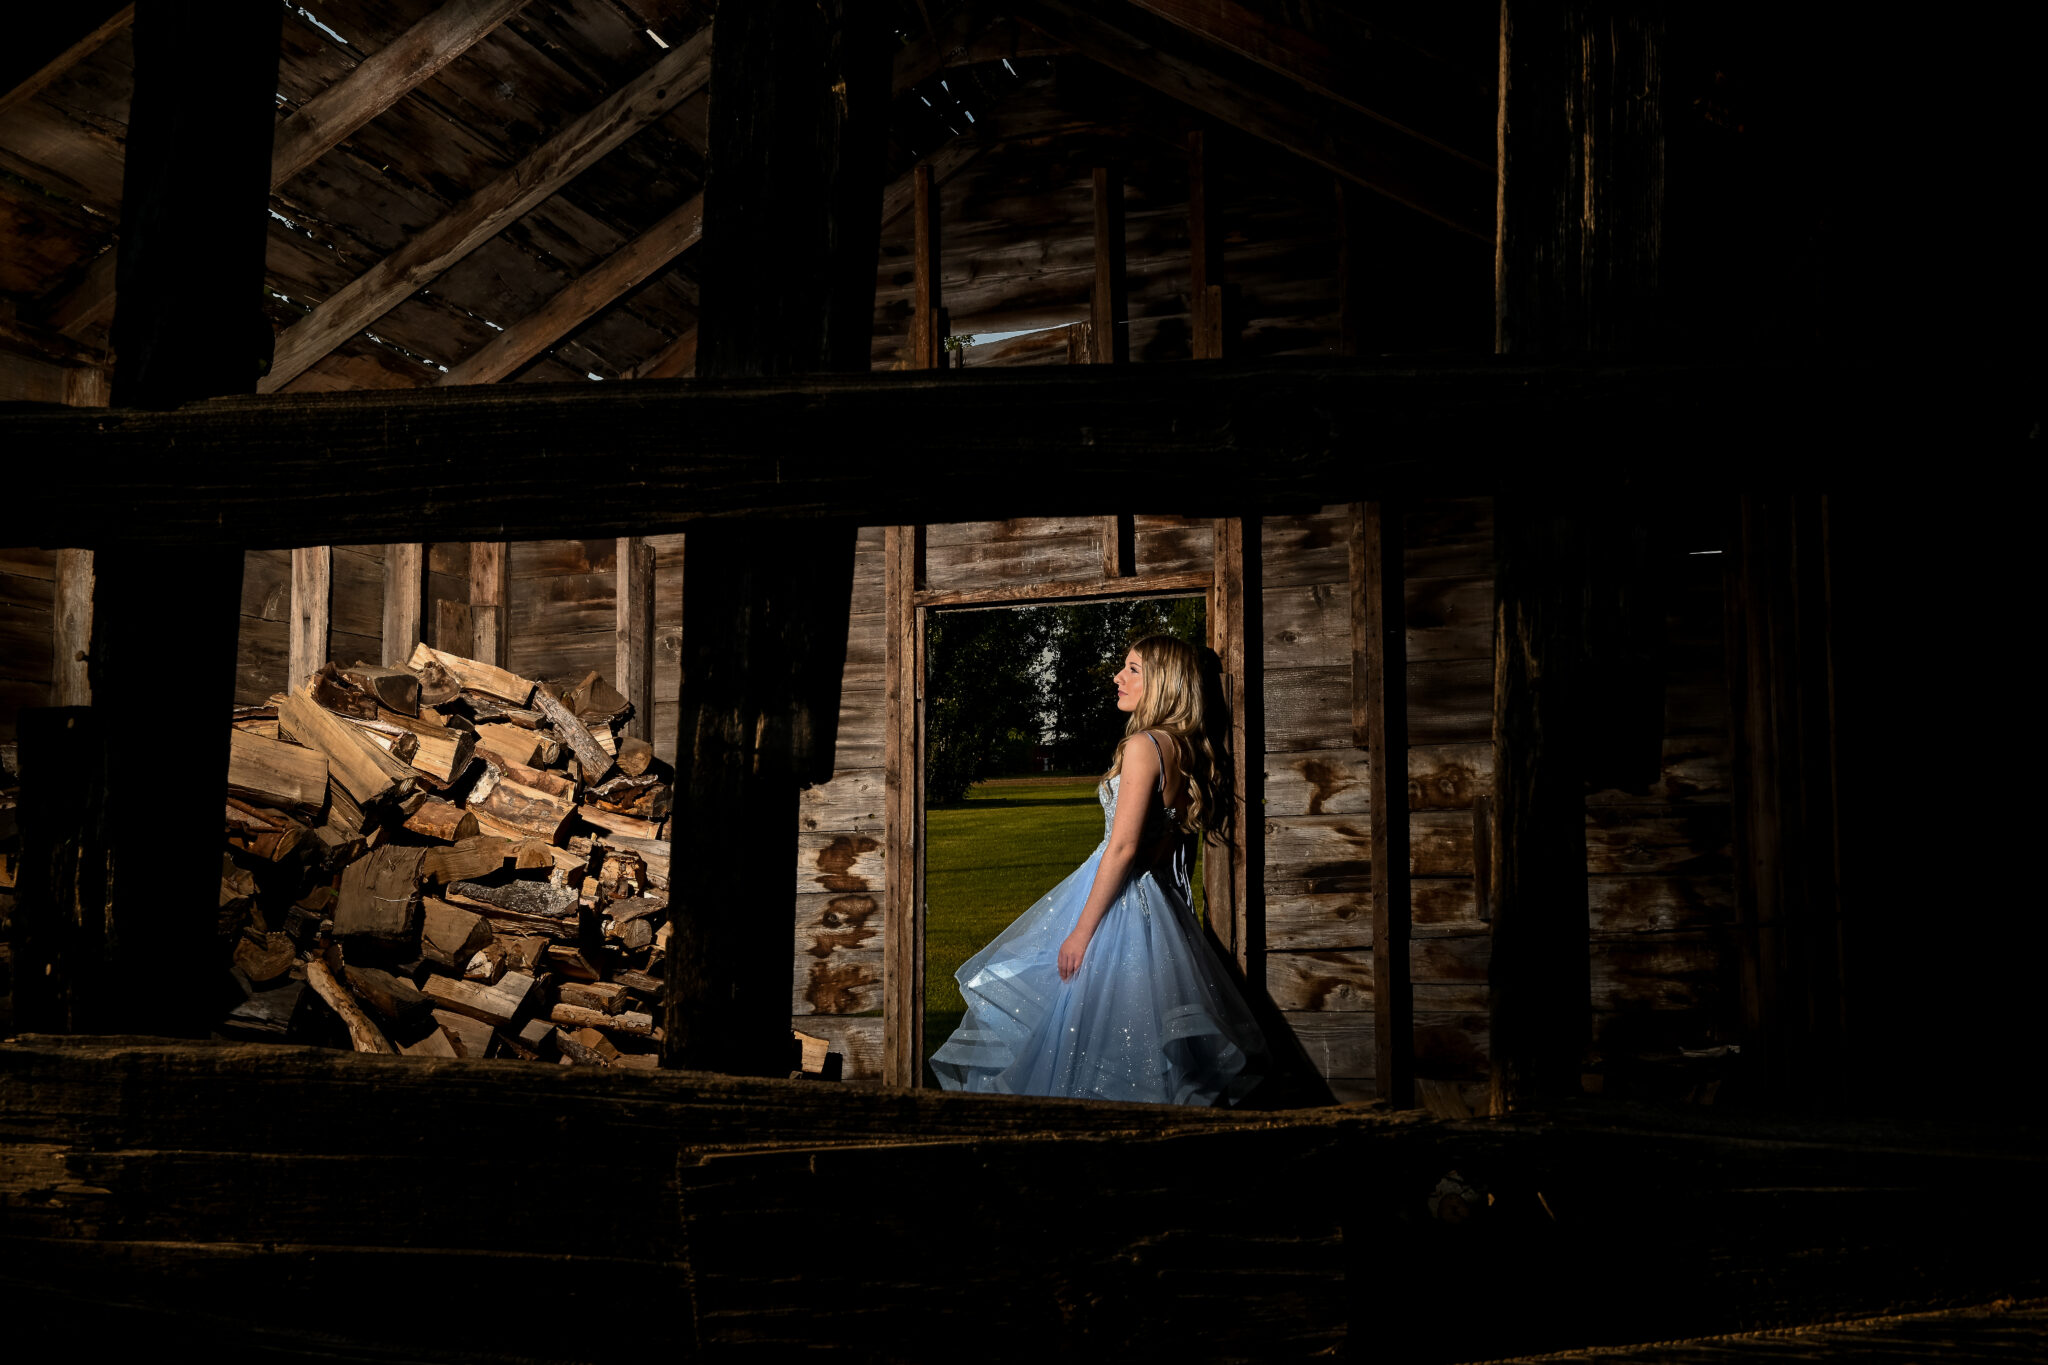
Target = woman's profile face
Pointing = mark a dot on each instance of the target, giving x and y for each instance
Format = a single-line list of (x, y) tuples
[(1130, 683)]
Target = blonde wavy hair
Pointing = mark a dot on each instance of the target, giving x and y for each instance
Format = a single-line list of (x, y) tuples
[(1175, 704)]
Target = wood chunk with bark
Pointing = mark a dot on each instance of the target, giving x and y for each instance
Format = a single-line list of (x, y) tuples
[(528, 854), (470, 1037), (537, 899), (490, 711), (397, 689), (594, 701), (574, 964), (509, 744), (331, 691), (496, 1004), (391, 997), (450, 935), (632, 935), (487, 964), (602, 996), (641, 983), (392, 740), (442, 820), (476, 677), (633, 1022), (360, 768), (526, 953), (623, 825), (477, 855), (527, 811), (380, 896), (596, 763), (267, 834), (366, 1036), (438, 686), (576, 1050), (270, 772), (635, 756), (265, 959)]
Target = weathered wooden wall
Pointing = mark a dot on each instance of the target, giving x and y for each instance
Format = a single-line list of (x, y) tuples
[(28, 583)]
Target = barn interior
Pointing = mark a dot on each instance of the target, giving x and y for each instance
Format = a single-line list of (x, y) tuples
[(1507, 378)]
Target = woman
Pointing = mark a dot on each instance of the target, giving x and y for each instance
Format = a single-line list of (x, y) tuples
[(1107, 988)]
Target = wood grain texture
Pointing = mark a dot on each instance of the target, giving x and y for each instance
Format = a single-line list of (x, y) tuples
[(678, 74), (312, 596), (1379, 719), (902, 716), (489, 600), (71, 629), (404, 600), (1326, 980), (1319, 782)]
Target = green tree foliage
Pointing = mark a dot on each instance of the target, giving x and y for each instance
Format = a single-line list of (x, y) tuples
[(999, 682)]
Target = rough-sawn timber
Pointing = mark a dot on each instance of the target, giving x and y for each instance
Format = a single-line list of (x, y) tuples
[(484, 463)]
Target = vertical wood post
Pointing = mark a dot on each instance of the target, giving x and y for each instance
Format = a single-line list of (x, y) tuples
[(633, 661), (1780, 609), (929, 328), (1540, 974), (405, 580), (797, 142), (60, 897), (489, 596), (1108, 304), (187, 325), (71, 633), (1229, 878), (1205, 256), (312, 604), (1079, 347), (903, 816), (1379, 681), (1119, 546)]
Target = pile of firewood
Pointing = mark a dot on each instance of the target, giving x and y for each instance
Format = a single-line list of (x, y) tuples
[(447, 860)]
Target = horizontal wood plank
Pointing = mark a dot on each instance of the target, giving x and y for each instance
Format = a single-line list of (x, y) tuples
[(846, 982), (838, 863), (1338, 1042), (1307, 626), (1306, 550), (1318, 919), (858, 1040), (1327, 980), (1319, 782), (852, 802)]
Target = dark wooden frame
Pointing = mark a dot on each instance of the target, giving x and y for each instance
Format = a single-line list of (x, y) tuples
[(907, 609)]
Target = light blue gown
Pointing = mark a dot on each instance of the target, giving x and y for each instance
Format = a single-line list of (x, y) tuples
[(1151, 1015)]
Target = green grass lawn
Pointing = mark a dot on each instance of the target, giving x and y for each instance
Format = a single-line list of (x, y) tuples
[(987, 860)]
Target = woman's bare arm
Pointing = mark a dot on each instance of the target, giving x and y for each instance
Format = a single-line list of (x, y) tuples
[(1134, 799)]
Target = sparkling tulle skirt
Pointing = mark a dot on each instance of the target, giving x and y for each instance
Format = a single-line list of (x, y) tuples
[(1151, 1016)]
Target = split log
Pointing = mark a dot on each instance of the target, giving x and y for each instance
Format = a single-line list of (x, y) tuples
[(396, 689), (270, 772), (634, 1023), (443, 751), (476, 677), (528, 854), (392, 740), (538, 1035), (594, 700), (362, 769), (438, 686), (639, 982), (443, 820), (538, 779), (268, 834), (526, 953), (578, 1050), (265, 959), (603, 996), (487, 963), (508, 743), (338, 846), (624, 825), (495, 1005), (812, 1051), (435, 1044), (574, 964), (489, 708), (522, 898), (524, 810), (469, 1037), (392, 997), (364, 1034), (476, 856), (595, 761), (653, 852), (328, 688), (451, 935), (634, 755), (380, 896)]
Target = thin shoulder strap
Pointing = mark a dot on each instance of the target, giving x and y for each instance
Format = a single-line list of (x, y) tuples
[(1162, 761)]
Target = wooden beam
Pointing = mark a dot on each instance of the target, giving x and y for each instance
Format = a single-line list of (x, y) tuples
[(1228, 879), (1152, 585), (71, 630), (1205, 255), (802, 180), (381, 80), (677, 360), (1331, 52), (1431, 182), (1379, 710), (405, 577), (633, 648), (87, 303), (194, 216), (928, 322), (1119, 546), (489, 597), (55, 69), (903, 1045), (312, 604), (679, 74), (1109, 320), (583, 298), (1580, 203), (357, 468)]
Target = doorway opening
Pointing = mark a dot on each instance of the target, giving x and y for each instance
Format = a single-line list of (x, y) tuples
[(1019, 724)]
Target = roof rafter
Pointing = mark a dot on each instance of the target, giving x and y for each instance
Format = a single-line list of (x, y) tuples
[(680, 73), (53, 70), (1433, 182)]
